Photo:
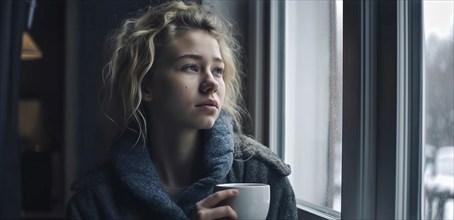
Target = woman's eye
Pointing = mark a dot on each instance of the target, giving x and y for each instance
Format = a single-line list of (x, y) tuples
[(218, 70), (191, 68)]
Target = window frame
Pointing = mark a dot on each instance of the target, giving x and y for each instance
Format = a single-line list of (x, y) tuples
[(277, 80), (381, 173), (410, 96), (359, 120)]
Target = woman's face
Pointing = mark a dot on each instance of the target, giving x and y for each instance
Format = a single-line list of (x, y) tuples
[(187, 87)]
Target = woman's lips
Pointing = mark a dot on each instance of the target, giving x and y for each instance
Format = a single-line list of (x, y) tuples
[(208, 106), (209, 102)]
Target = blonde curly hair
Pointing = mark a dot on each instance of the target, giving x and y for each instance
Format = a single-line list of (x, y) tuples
[(134, 51)]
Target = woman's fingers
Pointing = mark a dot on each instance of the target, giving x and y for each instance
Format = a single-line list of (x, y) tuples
[(217, 197), (204, 208), (217, 213)]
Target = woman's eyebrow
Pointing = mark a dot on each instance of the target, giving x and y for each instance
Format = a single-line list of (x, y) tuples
[(197, 57)]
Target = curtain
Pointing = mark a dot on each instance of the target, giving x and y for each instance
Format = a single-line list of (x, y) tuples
[(12, 21)]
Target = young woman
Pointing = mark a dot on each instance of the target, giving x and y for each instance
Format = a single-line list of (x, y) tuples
[(174, 75)]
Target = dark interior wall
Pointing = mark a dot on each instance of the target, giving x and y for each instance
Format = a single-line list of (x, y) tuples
[(43, 79), (95, 21)]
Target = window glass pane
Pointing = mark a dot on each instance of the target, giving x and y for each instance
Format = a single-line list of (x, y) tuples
[(438, 110), (313, 101)]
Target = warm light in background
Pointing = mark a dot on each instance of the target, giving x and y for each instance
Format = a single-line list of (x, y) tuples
[(31, 125), (30, 50)]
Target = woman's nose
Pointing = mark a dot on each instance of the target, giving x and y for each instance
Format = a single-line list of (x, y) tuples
[(209, 84)]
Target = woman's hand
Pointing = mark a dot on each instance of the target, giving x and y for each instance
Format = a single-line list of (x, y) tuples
[(205, 208)]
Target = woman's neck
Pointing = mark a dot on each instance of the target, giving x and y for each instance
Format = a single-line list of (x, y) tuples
[(177, 155)]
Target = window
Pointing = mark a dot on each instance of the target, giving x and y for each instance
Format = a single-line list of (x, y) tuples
[(356, 109), (313, 102), (389, 152), (438, 111)]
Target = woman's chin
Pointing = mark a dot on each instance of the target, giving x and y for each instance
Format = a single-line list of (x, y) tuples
[(206, 123)]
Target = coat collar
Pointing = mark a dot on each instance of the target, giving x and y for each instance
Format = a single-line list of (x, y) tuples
[(134, 167)]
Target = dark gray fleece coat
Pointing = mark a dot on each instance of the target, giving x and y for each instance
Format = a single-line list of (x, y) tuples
[(127, 186)]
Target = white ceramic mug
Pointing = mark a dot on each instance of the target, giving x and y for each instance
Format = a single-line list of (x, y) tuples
[(252, 201)]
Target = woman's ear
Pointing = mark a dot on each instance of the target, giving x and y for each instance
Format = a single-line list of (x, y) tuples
[(147, 96)]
